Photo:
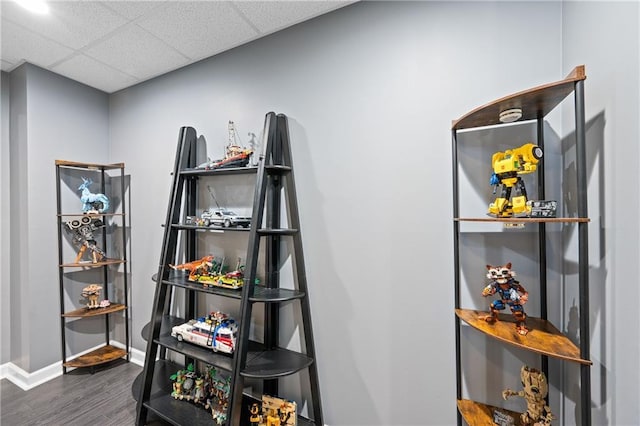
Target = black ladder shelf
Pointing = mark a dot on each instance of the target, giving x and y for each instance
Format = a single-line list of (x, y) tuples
[(263, 362)]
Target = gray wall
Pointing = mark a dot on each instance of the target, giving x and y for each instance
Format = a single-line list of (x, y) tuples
[(52, 118), (5, 245), (370, 91), (612, 108), (18, 284)]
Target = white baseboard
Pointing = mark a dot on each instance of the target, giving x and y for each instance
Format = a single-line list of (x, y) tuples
[(26, 381), (136, 356)]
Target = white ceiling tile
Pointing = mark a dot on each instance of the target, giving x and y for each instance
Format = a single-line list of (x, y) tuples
[(199, 29), (133, 9), (270, 16), (93, 73), (20, 44), (136, 52), (71, 23), (117, 48)]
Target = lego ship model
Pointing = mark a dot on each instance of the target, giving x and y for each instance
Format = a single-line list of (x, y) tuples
[(235, 155)]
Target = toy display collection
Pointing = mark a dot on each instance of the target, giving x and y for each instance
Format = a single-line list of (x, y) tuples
[(508, 166), (209, 271), (83, 227), (209, 389), (511, 294), (273, 411)]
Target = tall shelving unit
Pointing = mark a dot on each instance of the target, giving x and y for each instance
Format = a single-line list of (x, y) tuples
[(544, 338), (111, 270), (256, 364)]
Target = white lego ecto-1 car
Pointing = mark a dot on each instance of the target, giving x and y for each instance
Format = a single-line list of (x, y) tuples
[(216, 331)]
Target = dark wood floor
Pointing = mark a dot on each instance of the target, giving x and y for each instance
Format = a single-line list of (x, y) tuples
[(78, 398)]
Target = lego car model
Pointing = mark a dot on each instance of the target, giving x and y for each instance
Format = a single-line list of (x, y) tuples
[(225, 218), (218, 334)]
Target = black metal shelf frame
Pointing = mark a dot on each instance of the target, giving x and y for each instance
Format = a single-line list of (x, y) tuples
[(264, 361)]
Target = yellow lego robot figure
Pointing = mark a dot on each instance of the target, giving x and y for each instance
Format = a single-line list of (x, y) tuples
[(508, 166)]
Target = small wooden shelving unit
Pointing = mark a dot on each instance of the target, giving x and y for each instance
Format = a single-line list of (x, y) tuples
[(112, 234), (543, 338)]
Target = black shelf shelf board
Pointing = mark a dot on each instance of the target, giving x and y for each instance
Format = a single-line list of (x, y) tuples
[(179, 279), (168, 322), (222, 171), (217, 359), (260, 362), (277, 169), (278, 231), (214, 229), (177, 412), (272, 295), (162, 404), (261, 294), (279, 362)]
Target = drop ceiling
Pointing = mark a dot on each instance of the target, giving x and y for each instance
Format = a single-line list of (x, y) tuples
[(111, 45)]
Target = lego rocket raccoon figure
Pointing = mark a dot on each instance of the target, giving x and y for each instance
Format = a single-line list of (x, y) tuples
[(511, 293)]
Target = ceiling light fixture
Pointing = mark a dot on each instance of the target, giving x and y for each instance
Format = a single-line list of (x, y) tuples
[(510, 115), (36, 6)]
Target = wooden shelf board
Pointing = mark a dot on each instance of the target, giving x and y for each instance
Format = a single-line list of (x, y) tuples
[(87, 312), (99, 356), (536, 102), (523, 219), (90, 166), (89, 214), (543, 337), (478, 414), (93, 265)]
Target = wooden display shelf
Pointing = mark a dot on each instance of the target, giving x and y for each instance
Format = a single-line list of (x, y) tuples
[(89, 166), (536, 102), (543, 337), (93, 312), (99, 356), (93, 265), (524, 219), (478, 414), (90, 214)]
